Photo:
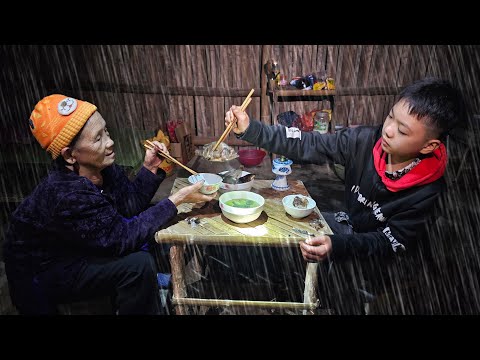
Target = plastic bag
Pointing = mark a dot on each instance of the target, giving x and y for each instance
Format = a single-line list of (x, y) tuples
[(287, 118), (171, 125), (305, 122)]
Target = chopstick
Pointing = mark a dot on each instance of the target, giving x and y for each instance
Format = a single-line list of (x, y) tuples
[(230, 127), (151, 146), (247, 101)]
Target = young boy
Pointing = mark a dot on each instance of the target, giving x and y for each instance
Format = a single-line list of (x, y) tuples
[(393, 175)]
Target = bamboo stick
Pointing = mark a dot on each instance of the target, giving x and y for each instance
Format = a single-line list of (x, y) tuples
[(244, 303), (230, 240)]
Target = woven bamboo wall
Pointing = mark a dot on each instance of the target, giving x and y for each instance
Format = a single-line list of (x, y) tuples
[(377, 66), (148, 68), (144, 86)]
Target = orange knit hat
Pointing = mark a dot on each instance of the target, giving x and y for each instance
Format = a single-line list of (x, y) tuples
[(56, 120)]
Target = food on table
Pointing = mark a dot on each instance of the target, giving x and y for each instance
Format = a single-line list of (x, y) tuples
[(231, 176), (246, 178), (300, 202), (234, 177), (242, 203), (222, 153)]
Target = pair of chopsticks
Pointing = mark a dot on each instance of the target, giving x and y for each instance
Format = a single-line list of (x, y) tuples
[(246, 102), (151, 146)]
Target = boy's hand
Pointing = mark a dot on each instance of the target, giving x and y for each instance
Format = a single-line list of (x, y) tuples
[(316, 249), (243, 119)]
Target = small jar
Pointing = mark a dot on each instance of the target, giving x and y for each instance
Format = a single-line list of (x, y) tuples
[(320, 122), (283, 80)]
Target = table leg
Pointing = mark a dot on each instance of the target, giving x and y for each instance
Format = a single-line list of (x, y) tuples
[(177, 262), (310, 292)]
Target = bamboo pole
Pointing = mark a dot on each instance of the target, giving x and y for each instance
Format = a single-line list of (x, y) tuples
[(230, 240), (244, 303), (177, 262), (265, 116), (311, 281)]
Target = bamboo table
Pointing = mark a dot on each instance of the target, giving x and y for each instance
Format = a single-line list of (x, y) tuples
[(274, 227)]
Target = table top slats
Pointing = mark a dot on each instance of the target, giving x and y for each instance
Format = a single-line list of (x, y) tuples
[(274, 227)]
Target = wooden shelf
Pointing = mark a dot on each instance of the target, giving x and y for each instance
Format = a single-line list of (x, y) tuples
[(296, 92), (290, 93), (349, 91)]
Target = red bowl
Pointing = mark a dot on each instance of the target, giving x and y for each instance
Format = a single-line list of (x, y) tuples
[(251, 157)]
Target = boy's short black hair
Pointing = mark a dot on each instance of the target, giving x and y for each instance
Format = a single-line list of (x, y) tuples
[(435, 102)]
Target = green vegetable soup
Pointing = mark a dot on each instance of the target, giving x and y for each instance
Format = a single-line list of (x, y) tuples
[(242, 203)]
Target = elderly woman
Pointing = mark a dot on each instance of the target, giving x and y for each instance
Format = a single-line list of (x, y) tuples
[(83, 230)]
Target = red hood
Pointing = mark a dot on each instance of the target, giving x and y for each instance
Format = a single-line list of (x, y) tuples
[(428, 170)]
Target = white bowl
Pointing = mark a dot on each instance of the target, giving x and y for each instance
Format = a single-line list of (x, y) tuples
[(234, 187), (297, 212), (238, 214), (211, 184)]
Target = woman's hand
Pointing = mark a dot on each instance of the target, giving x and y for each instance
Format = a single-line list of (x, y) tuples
[(316, 249), (152, 159), (243, 119), (191, 194)]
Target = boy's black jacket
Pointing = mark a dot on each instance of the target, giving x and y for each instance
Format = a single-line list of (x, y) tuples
[(387, 224)]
